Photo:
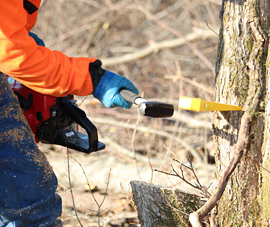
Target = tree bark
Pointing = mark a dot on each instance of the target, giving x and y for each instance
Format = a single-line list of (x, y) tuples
[(159, 206), (241, 71)]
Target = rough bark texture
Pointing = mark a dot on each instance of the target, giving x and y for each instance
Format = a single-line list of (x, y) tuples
[(240, 71), (159, 206)]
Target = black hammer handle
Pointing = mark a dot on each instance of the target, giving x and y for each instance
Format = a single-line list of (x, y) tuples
[(146, 108)]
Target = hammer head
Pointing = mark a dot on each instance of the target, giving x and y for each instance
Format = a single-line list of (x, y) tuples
[(155, 109)]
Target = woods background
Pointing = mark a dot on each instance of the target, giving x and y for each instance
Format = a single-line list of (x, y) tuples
[(166, 48)]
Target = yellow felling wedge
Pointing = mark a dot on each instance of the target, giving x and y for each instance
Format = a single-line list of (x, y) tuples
[(200, 105)]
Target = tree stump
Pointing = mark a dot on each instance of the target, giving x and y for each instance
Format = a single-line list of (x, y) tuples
[(158, 206)]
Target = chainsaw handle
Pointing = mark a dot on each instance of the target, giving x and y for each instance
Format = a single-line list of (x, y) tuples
[(131, 97), (80, 118)]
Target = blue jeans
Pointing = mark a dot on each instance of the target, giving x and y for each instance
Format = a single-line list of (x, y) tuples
[(27, 181)]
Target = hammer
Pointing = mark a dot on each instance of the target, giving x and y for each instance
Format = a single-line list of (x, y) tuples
[(148, 108)]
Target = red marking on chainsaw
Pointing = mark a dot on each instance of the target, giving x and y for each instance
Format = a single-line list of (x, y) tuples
[(55, 120)]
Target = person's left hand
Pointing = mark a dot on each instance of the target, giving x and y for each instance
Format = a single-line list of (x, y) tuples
[(107, 91)]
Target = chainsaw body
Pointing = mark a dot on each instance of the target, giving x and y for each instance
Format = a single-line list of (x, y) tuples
[(56, 120)]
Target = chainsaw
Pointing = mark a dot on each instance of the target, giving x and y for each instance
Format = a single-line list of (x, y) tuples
[(56, 120)]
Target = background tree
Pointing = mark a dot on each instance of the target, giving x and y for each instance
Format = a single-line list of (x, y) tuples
[(242, 74)]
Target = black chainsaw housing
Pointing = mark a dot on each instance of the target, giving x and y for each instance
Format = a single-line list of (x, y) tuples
[(58, 128)]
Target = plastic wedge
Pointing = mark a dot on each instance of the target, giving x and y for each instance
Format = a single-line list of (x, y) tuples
[(200, 105)]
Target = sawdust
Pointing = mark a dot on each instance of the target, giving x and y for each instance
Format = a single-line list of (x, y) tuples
[(23, 134), (16, 134), (21, 137)]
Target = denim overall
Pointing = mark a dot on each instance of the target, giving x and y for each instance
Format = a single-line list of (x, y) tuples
[(27, 181)]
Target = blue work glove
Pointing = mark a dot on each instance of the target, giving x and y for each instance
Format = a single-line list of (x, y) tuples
[(107, 91)]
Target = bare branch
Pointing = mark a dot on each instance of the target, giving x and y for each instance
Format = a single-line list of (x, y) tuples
[(241, 146), (197, 184), (178, 34), (71, 191), (154, 47), (99, 205)]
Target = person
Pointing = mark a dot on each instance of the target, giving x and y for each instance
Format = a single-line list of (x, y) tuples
[(27, 182)]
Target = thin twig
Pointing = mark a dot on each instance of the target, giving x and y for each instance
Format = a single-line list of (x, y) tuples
[(71, 191), (107, 187), (84, 98), (129, 197), (151, 167), (175, 174), (265, 169), (133, 145), (89, 186), (211, 28), (197, 184), (99, 205)]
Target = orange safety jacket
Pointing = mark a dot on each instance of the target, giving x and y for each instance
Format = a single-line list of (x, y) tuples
[(37, 67)]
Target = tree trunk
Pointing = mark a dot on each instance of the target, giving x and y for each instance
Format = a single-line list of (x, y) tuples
[(159, 206), (242, 68)]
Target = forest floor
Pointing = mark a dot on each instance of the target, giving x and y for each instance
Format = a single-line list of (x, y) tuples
[(109, 171), (167, 49)]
